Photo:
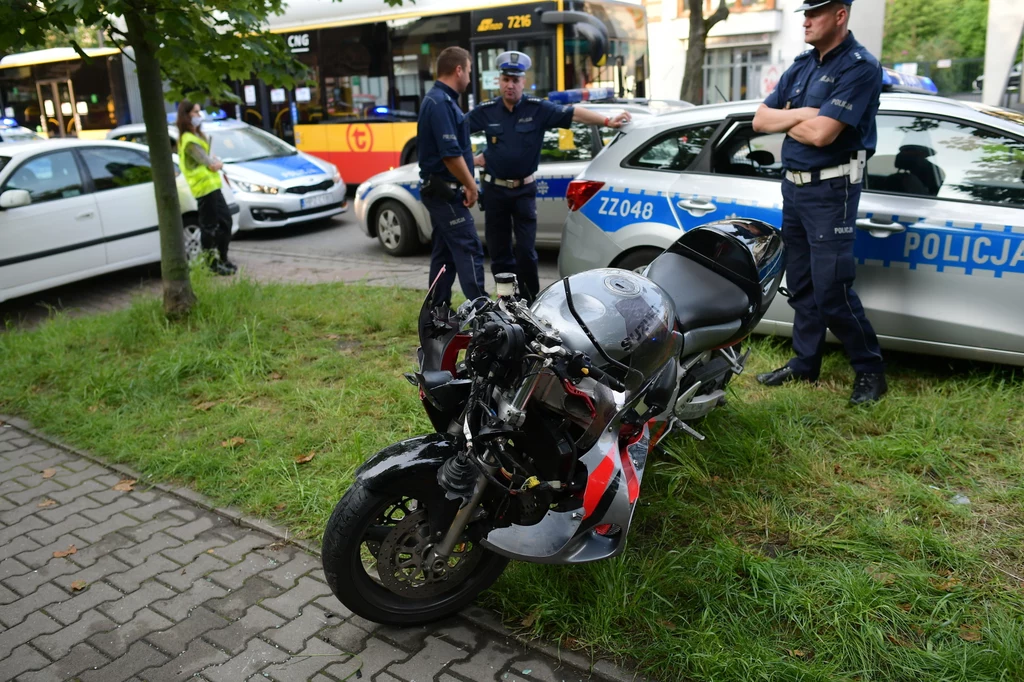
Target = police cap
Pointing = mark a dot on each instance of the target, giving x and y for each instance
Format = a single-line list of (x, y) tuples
[(815, 4), (513, 63)]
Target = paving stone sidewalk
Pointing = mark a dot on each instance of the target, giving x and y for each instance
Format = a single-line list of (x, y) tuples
[(159, 588)]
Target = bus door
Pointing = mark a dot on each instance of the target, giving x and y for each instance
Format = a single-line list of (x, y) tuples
[(58, 111), (539, 79)]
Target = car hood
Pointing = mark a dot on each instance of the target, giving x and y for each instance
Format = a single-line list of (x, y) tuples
[(410, 172), (288, 171)]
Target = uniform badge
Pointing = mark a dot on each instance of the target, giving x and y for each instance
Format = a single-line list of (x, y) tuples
[(494, 140)]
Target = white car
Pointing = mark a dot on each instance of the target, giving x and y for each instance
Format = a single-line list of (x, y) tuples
[(10, 131), (940, 230), (72, 209), (274, 183), (388, 205)]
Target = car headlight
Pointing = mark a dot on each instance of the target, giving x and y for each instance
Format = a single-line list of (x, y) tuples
[(254, 188), (335, 175)]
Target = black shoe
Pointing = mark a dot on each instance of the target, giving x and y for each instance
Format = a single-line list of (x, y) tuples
[(222, 269), (868, 387), (231, 266), (781, 376)]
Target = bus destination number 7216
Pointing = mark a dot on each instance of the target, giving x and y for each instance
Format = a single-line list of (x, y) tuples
[(520, 21)]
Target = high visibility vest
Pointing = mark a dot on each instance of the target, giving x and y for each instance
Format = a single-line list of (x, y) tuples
[(201, 180)]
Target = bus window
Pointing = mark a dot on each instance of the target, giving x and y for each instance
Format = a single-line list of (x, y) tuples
[(415, 45), (354, 70)]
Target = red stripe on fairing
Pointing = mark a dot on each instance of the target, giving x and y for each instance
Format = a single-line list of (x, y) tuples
[(597, 483), (450, 356), (355, 167)]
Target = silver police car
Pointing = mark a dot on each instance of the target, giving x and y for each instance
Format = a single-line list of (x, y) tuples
[(940, 244), (274, 183), (388, 206)]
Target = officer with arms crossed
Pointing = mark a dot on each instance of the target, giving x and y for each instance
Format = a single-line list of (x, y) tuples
[(447, 186), (826, 104), (515, 125)]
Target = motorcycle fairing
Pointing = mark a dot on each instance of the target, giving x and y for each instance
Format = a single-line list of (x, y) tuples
[(613, 487)]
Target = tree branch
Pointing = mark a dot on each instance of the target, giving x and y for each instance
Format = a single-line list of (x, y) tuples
[(720, 15)]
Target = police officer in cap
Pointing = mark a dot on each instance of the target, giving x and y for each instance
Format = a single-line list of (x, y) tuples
[(826, 104), (447, 186), (514, 124)]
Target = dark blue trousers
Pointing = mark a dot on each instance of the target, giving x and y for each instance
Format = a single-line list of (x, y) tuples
[(818, 228), (457, 247), (508, 214)]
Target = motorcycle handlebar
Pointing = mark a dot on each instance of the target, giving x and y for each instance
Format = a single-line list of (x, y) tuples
[(605, 378)]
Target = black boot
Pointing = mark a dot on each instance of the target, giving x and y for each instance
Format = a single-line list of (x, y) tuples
[(868, 387), (222, 269), (781, 376)]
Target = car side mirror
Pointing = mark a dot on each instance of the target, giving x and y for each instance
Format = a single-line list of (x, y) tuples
[(13, 198)]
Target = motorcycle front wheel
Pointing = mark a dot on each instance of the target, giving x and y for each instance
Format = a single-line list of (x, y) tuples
[(375, 557)]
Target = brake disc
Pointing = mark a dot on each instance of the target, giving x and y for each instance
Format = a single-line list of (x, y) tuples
[(405, 562)]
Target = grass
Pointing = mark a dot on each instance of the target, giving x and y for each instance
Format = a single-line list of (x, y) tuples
[(803, 540)]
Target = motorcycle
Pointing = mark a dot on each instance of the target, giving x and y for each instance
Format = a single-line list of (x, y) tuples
[(544, 416)]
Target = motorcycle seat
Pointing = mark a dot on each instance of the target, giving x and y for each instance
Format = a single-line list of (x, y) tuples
[(701, 297)]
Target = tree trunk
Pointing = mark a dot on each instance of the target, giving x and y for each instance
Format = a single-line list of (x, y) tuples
[(693, 76), (178, 296)]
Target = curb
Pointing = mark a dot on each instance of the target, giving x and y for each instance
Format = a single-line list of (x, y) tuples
[(480, 617)]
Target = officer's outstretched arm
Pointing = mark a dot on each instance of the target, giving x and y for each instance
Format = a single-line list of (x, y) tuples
[(581, 115), (819, 131), (769, 120)]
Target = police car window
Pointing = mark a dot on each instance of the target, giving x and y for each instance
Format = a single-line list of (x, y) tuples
[(113, 168), (746, 153), (929, 157), (46, 178), (478, 142), (572, 144), (674, 150)]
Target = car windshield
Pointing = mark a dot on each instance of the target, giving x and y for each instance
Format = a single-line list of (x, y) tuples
[(232, 145)]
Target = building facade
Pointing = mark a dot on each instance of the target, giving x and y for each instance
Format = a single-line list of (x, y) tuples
[(747, 51)]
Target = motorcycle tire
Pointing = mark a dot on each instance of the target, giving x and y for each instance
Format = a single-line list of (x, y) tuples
[(355, 536)]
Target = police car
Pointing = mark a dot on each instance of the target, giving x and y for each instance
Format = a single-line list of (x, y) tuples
[(10, 131), (72, 209), (940, 238), (274, 183), (388, 206)]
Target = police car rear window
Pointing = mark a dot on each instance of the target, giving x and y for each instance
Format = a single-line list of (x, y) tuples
[(4, 160), (674, 150)]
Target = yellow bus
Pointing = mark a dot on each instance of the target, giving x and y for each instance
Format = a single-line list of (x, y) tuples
[(58, 94), (370, 66)]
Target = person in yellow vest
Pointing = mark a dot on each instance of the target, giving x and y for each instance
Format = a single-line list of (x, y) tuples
[(202, 171)]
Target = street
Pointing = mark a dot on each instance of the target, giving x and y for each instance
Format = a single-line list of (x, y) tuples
[(333, 250)]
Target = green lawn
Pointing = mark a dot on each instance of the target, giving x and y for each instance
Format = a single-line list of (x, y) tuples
[(803, 540)]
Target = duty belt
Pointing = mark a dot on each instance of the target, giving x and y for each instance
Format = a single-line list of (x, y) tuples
[(509, 184), (801, 178)]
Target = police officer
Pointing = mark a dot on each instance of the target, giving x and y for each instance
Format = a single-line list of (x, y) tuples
[(515, 125), (447, 187), (826, 104)]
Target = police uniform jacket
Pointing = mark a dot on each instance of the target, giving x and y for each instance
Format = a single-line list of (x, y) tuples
[(845, 85), (515, 138), (442, 131)]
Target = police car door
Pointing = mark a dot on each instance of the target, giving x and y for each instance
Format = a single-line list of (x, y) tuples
[(564, 154), (940, 248)]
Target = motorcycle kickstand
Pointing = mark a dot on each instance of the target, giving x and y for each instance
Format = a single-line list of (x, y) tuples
[(676, 421)]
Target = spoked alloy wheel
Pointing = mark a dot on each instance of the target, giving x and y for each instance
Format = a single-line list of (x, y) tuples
[(396, 229), (193, 240), (377, 559)]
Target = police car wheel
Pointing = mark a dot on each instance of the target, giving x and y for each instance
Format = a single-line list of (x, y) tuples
[(396, 229), (193, 238), (638, 260)]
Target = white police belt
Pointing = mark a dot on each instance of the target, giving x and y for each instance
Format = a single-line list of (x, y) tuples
[(508, 184), (801, 178)]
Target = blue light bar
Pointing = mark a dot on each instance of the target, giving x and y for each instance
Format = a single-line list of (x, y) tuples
[(580, 95), (893, 79), (381, 110), (9, 122)]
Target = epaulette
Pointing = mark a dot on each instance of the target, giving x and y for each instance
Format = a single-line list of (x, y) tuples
[(534, 99), (803, 55), (488, 103)]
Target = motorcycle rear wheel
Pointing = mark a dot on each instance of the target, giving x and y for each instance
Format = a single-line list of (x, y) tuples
[(366, 522)]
